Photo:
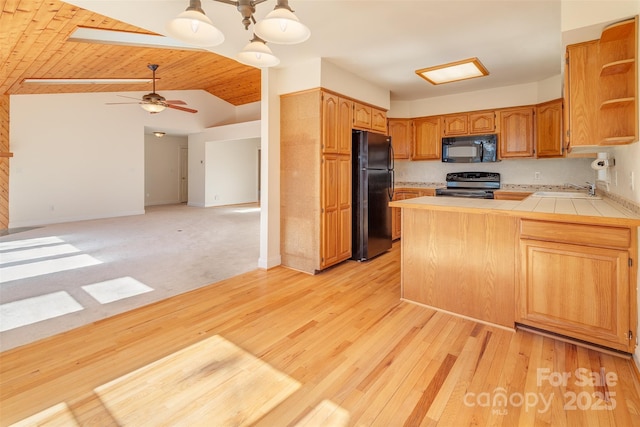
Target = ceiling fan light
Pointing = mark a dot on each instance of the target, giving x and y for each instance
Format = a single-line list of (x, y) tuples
[(257, 54), (195, 28), (153, 107), (281, 26)]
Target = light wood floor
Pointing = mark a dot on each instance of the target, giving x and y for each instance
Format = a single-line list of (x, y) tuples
[(282, 348)]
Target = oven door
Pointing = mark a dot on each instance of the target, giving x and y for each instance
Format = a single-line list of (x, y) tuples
[(475, 194)]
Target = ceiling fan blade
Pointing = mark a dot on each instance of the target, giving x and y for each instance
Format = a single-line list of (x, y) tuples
[(130, 97), (188, 110), (176, 102)]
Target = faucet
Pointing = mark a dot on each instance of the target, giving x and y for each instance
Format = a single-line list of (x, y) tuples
[(590, 187)]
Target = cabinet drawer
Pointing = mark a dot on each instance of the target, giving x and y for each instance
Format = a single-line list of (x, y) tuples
[(581, 234)]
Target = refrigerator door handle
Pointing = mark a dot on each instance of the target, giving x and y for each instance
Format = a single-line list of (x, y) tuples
[(391, 159), (391, 188)]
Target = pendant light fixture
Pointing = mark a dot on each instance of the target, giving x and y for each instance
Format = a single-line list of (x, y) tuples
[(194, 27), (280, 26), (257, 54)]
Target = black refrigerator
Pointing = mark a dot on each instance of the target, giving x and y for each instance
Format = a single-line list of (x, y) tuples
[(372, 174)]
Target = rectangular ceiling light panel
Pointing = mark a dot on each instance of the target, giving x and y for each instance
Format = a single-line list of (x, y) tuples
[(453, 71)]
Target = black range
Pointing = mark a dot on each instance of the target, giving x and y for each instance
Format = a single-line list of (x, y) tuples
[(479, 185)]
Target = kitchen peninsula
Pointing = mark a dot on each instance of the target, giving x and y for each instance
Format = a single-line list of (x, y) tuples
[(562, 265)]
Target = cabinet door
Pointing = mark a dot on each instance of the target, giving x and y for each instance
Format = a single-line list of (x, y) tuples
[(330, 115), (516, 132), (343, 136), (577, 291), (549, 129), (379, 120), (482, 122), (427, 139), (400, 131), (582, 97), (330, 210), (361, 116), (396, 213), (344, 208), (456, 125)]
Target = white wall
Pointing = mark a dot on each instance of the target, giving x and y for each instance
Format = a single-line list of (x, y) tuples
[(223, 165), (74, 158), (77, 158), (232, 172), (162, 169)]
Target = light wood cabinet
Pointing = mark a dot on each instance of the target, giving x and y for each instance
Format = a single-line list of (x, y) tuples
[(601, 88), (455, 124), (549, 129), (401, 133), (618, 83), (516, 137), (472, 123), (510, 195), (581, 73), (427, 138), (396, 213), (366, 117), (336, 209), (315, 186), (575, 281)]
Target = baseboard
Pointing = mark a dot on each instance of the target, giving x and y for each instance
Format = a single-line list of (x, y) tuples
[(269, 263)]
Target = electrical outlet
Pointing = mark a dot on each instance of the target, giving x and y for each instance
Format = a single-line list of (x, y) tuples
[(536, 176)]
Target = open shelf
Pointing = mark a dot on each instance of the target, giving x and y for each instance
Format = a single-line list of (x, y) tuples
[(618, 31), (617, 67), (618, 140), (616, 103)]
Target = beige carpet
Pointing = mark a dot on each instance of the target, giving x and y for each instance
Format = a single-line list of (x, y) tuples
[(61, 276)]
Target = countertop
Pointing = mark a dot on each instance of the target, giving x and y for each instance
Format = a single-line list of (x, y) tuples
[(591, 211)]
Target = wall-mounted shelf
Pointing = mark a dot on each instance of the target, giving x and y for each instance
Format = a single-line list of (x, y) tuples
[(617, 67), (617, 103)]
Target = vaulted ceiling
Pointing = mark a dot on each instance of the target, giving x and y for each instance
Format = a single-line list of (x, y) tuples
[(34, 44)]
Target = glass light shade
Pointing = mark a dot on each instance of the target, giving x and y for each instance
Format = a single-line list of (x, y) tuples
[(281, 26), (257, 54), (194, 28), (153, 107)]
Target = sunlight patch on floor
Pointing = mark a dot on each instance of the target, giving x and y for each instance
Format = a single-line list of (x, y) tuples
[(27, 243), (35, 253), (212, 383), (39, 268), (326, 413), (36, 309), (116, 289)]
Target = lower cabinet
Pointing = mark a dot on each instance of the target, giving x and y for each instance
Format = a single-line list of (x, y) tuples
[(396, 213), (511, 195), (575, 280), (335, 223)]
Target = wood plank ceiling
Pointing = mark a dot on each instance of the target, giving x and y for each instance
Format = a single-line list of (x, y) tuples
[(33, 44)]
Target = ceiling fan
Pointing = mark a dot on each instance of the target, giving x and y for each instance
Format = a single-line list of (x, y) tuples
[(155, 103)]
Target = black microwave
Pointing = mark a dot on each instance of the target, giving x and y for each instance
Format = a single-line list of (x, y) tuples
[(470, 149)]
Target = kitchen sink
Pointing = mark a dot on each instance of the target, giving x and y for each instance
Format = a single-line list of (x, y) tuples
[(566, 195)]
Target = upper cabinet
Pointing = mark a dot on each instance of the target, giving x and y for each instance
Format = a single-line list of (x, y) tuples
[(401, 133), (549, 129), (516, 132), (601, 88), (369, 118), (477, 122), (618, 83), (427, 138)]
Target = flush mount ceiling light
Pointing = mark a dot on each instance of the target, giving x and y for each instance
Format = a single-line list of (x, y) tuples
[(453, 71), (159, 134), (280, 26)]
